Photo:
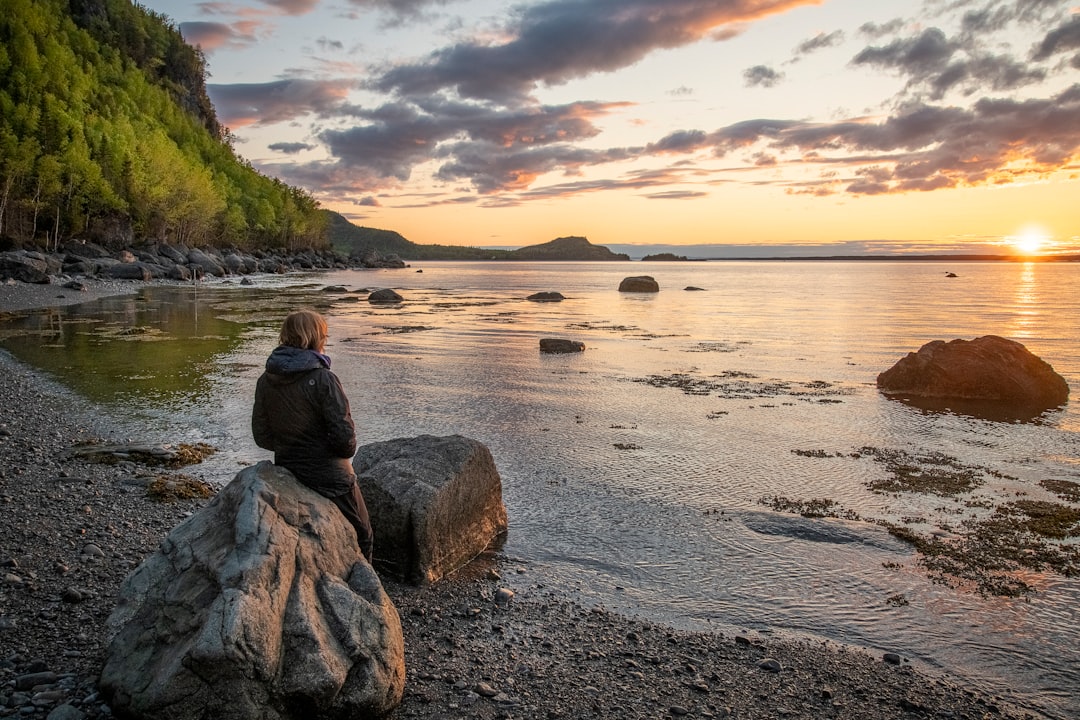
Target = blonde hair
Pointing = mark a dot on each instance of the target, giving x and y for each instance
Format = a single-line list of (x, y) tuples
[(304, 329)]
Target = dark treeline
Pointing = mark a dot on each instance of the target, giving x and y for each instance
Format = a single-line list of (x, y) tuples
[(107, 134)]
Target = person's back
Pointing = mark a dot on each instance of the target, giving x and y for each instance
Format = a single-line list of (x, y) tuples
[(301, 413)]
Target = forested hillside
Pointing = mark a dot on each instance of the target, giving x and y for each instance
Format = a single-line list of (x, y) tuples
[(106, 133)]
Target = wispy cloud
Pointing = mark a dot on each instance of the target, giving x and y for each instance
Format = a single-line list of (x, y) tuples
[(819, 42), (291, 148), (762, 76), (212, 36)]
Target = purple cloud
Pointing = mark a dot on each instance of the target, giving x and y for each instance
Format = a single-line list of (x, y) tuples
[(560, 40), (244, 104)]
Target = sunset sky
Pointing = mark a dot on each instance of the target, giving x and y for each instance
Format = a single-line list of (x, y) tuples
[(900, 125)]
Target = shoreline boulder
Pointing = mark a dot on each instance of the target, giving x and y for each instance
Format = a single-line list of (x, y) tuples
[(258, 607), (435, 503), (988, 369), (639, 284)]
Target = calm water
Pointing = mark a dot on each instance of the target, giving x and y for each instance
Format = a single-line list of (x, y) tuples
[(634, 472)]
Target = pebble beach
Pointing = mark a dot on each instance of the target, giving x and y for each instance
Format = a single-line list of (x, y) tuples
[(493, 642)]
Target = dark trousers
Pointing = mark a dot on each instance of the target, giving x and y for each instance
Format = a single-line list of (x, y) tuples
[(355, 511)]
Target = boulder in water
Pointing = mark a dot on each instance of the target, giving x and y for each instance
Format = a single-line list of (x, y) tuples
[(639, 283), (988, 369)]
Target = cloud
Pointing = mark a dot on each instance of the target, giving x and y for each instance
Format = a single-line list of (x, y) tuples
[(293, 7), (327, 45), (290, 148), (928, 147), (762, 76), (936, 65), (243, 104), (1065, 38), (400, 8), (875, 30), (212, 36), (677, 195), (560, 40), (925, 52), (819, 42), (492, 147)]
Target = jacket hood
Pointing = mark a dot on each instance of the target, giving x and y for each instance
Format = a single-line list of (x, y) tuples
[(286, 360)]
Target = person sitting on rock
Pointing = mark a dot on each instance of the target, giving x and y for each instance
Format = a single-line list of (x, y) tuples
[(301, 413)]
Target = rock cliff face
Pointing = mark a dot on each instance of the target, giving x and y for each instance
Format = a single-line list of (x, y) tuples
[(988, 369), (260, 606)]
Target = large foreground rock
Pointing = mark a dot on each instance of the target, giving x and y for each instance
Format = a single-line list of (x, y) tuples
[(986, 369), (260, 606), (435, 503)]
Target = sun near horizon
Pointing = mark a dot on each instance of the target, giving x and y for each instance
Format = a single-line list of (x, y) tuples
[(1030, 241)]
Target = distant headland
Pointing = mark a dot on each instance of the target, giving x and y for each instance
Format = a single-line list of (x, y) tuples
[(357, 241)]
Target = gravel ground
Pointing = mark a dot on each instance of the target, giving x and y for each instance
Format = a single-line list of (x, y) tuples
[(70, 530)]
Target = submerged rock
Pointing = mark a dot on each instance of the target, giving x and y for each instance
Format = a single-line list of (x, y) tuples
[(987, 369), (559, 345), (384, 296), (639, 283), (546, 297), (259, 606)]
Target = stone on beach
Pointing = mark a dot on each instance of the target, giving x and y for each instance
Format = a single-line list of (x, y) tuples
[(258, 606), (436, 503), (639, 283), (988, 369), (24, 266)]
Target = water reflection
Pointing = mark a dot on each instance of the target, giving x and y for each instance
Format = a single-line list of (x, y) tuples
[(1026, 302), (132, 348), (612, 482)]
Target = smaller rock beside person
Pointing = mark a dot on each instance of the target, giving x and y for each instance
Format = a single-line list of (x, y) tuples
[(435, 502)]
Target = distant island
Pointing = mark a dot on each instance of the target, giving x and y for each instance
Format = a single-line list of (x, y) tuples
[(565, 248), (357, 241), (665, 257)]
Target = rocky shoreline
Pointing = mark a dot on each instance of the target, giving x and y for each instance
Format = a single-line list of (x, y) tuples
[(492, 642)]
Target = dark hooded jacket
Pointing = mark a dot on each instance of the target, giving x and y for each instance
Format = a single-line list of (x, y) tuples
[(302, 414)]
